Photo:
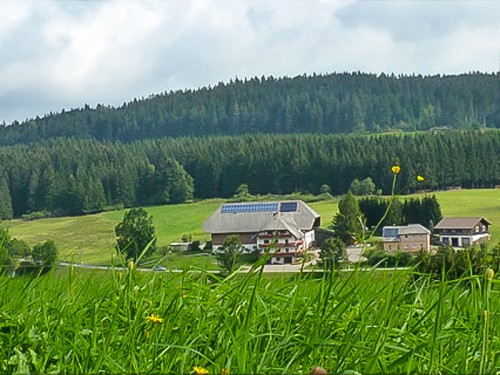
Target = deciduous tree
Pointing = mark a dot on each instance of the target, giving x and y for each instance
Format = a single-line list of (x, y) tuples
[(135, 233), (230, 254)]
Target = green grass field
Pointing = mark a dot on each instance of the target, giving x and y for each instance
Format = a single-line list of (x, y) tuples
[(90, 239), (87, 322)]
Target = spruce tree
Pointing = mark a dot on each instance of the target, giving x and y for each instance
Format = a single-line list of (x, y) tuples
[(349, 222), (6, 211)]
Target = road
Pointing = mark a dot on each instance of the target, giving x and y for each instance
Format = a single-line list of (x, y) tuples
[(268, 268)]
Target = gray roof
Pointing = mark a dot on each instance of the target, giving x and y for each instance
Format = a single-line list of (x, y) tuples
[(406, 229), (295, 222), (414, 229), (460, 222)]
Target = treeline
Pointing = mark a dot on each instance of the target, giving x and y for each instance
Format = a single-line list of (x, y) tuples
[(330, 104), (68, 176), (425, 211)]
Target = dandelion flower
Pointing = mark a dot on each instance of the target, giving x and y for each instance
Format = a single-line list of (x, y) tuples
[(420, 178), (155, 319), (395, 169), (200, 370)]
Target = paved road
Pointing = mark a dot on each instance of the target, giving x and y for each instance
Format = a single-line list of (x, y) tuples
[(275, 268)]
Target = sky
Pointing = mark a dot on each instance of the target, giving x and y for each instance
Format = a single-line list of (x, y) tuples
[(63, 54)]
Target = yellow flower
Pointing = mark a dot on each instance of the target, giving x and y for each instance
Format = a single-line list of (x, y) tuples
[(200, 370), (155, 319), (420, 178), (395, 169), (490, 274), (225, 371)]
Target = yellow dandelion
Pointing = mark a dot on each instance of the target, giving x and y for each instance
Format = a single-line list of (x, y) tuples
[(420, 178), (395, 169), (155, 319), (200, 370), (490, 274)]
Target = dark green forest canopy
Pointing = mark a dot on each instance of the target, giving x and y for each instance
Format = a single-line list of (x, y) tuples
[(330, 104), (70, 176)]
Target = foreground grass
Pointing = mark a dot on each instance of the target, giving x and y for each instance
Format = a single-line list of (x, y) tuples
[(90, 239), (81, 321)]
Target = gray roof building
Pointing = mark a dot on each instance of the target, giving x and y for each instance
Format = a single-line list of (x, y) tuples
[(391, 232), (292, 216)]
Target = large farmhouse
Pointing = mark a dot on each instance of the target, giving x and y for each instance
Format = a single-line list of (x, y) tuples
[(462, 231), (287, 226)]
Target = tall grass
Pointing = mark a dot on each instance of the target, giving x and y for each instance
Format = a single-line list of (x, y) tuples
[(81, 321)]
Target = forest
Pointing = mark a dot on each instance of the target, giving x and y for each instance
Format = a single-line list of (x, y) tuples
[(67, 176), (339, 103)]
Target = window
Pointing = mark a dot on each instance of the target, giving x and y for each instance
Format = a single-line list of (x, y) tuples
[(286, 241), (266, 241)]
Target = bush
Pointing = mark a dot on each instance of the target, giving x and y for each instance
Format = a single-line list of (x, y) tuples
[(45, 253), (457, 263), (386, 259), (36, 215)]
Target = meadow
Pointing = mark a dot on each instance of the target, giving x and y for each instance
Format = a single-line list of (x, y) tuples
[(91, 239), (87, 321)]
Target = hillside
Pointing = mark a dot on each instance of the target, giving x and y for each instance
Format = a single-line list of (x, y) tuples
[(90, 239), (72, 177), (330, 104)]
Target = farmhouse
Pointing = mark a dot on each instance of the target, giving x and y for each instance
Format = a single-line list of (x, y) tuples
[(287, 226), (462, 231), (409, 238)]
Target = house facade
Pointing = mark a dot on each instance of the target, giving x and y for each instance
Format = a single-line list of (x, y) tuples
[(462, 231), (409, 238), (285, 228)]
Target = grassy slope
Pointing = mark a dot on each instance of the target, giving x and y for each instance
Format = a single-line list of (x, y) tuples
[(90, 239)]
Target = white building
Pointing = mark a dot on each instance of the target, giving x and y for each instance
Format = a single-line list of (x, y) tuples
[(462, 231)]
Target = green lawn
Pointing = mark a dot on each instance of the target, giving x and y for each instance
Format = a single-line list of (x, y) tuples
[(90, 239)]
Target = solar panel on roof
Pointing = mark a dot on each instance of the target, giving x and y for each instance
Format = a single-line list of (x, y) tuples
[(288, 207), (249, 207)]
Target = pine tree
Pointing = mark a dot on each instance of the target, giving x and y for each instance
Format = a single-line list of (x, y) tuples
[(349, 222), (6, 211)]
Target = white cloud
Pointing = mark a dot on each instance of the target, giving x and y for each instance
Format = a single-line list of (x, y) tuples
[(64, 53)]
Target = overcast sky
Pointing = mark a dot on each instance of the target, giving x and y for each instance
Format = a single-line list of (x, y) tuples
[(59, 54)]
